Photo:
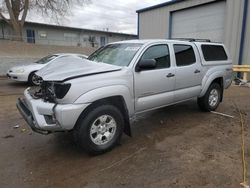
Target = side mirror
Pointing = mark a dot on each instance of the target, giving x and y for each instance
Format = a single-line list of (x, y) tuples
[(145, 64)]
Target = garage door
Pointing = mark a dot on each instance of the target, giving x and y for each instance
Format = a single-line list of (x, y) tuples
[(206, 22)]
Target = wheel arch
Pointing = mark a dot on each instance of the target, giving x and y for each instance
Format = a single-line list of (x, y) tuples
[(31, 72), (216, 77), (119, 102)]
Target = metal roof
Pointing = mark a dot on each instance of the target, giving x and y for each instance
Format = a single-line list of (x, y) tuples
[(74, 28), (159, 5)]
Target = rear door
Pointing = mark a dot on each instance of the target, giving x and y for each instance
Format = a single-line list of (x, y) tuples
[(155, 87), (188, 71)]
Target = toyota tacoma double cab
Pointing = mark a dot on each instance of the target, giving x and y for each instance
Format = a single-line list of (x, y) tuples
[(99, 97)]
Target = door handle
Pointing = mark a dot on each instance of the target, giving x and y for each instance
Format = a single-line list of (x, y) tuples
[(170, 75), (197, 71)]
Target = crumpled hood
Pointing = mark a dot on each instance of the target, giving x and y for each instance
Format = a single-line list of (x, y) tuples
[(73, 67)]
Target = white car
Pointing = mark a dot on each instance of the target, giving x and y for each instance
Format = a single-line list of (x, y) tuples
[(26, 73)]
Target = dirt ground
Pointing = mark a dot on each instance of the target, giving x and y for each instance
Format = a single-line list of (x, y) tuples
[(178, 146)]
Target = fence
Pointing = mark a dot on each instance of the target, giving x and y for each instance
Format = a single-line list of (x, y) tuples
[(245, 69)]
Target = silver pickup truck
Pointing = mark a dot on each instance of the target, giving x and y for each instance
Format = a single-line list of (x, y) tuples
[(97, 98)]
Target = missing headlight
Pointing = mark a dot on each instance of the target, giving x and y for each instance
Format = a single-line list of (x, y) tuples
[(47, 91), (61, 89), (50, 91)]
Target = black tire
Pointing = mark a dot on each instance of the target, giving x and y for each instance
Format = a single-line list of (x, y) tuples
[(83, 127), (30, 80), (203, 102)]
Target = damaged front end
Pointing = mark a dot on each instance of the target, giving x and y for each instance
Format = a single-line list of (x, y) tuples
[(39, 115), (50, 91), (41, 109)]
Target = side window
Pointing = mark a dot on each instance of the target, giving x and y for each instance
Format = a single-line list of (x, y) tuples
[(184, 55), (160, 53), (214, 52)]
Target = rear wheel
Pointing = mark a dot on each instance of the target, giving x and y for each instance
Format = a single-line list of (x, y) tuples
[(211, 100), (100, 129), (34, 79)]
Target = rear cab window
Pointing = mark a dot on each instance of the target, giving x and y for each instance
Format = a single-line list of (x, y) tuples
[(214, 52), (184, 55)]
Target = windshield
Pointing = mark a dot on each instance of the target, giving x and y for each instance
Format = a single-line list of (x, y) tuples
[(46, 59), (116, 54)]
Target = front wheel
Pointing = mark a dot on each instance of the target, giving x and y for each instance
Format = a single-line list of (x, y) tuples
[(34, 79), (211, 100), (100, 129)]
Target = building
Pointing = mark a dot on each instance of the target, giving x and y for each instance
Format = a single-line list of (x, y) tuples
[(226, 21), (39, 33)]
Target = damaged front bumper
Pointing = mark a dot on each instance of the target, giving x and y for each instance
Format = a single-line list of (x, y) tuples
[(46, 117)]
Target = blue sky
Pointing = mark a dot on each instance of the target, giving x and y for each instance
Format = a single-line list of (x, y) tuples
[(116, 15)]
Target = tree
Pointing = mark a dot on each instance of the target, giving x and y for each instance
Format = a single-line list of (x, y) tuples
[(14, 12)]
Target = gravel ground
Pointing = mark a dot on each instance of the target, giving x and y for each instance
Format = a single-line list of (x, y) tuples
[(177, 146)]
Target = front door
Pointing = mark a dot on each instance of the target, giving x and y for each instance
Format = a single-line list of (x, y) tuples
[(154, 88), (30, 35), (103, 41)]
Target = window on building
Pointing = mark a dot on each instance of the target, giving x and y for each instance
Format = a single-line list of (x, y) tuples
[(184, 55), (214, 52), (160, 53), (42, 34), (85, 38), (70, 36)]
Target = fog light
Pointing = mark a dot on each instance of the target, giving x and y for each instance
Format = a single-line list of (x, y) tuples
[(50, 119)]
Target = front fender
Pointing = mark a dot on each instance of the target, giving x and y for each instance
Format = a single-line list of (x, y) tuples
[(208, 79), (109, 91)]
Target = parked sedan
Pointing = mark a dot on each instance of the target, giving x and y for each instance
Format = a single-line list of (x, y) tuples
[(26, 73)]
